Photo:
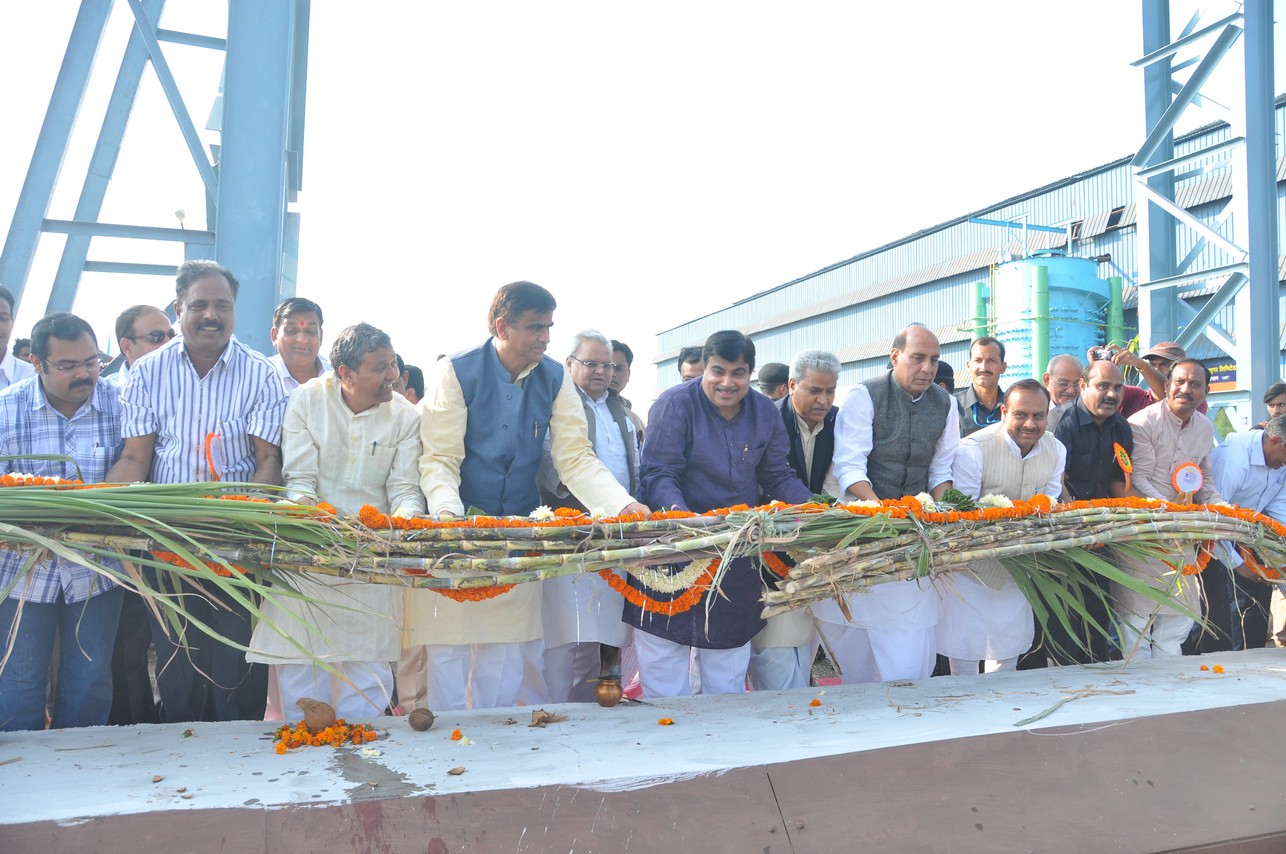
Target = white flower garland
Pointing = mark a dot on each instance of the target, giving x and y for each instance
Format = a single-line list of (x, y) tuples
[(656, 578)]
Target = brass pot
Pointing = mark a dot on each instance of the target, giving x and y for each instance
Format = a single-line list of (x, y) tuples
[(608, 692)]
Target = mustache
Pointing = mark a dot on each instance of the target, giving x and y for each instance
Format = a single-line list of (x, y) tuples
[(83, 384)]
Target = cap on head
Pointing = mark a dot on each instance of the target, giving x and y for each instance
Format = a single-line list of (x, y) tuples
[(1167, 350)]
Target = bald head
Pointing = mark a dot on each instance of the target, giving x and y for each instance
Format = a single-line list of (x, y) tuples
[(915, 359), (1062, 379), (1102, 389)]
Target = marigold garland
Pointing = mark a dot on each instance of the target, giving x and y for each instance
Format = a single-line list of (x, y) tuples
[(21, 479), (289, 737), (174, 560), (775, 564), (1256, 566)]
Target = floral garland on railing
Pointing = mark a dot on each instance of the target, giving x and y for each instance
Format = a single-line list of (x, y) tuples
[(696, 580)]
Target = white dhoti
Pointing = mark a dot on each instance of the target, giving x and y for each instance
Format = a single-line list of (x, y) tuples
[(890, 637), (1146, 627), (978, 621)]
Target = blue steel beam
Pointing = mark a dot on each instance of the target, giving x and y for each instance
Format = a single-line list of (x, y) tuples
[(1164, 127), (131, 268), (190, 39), (298, 98), (1261, 208), (1218, 301), (102, 165), (1156, 230), (51, 145), (1180, 43), (250, 221), (136, 232), (146, 28)]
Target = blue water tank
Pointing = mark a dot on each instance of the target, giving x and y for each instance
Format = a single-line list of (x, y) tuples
[(1078, 301)]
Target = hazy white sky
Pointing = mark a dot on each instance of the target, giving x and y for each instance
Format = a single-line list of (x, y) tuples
[(647, 164)]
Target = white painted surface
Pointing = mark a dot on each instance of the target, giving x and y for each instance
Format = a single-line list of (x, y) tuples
[(70, 774)]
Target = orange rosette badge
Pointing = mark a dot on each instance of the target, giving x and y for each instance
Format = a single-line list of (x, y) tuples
[(1123, 460)]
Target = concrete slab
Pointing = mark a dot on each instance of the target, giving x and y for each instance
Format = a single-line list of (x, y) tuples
[(1166, 757)]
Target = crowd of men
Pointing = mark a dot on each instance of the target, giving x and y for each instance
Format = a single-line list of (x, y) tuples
[(503, 427)]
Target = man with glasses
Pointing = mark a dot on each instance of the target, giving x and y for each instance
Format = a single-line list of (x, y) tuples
[(623, 359), (582, 614), (140, 329), (12, 369), (205, 383), (1062, 380), (61, 410)]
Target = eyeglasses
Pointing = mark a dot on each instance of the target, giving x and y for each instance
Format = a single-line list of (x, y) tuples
[(594, 366), (91, 366), (1065, 383), (156, 336)]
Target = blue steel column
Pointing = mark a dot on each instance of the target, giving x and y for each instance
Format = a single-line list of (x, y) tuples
[(251, 213), (51, 144), (1156, 238), (1261, 207), (101, 166)]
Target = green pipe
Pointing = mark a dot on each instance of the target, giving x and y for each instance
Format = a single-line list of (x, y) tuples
[(979, 309), (1039, 319), (1115, 311)]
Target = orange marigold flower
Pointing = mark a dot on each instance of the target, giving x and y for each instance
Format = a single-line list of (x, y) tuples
[(815, 702), (1218, 668), (1203, 667), (666, 722), (456, 735), (281, 748)]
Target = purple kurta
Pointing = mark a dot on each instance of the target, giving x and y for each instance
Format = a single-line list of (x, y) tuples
[(695, 460)]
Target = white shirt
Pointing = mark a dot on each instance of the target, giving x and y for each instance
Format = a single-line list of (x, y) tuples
[(239, 398), (966, 471), (1244, 477), (288, 382), (12, 370), (608, 445), (854, 440)]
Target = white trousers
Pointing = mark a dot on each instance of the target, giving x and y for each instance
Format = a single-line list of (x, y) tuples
[(880, 655), (367, 697), (412, 680), (663, 667), (1165, 637), (969, 666), (571, 670), (781, 667), (475, 676)]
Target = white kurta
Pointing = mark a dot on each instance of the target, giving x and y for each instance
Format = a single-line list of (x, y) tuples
[(1161, 444), (346, 459), (985, 616)]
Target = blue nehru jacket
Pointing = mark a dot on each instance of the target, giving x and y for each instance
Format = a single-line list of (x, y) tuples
[(506, 426)]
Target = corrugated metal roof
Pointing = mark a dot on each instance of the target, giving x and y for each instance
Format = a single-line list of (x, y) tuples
[(882, 347)]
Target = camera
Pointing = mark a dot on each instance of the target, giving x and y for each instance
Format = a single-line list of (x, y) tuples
[(1103, 353)]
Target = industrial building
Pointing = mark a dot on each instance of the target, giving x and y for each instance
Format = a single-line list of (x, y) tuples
[(935, 276)]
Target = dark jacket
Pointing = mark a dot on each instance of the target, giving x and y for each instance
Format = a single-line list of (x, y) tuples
[(823, 446)]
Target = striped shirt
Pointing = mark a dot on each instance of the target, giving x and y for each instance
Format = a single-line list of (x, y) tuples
[(92, 437), (239, 398)]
